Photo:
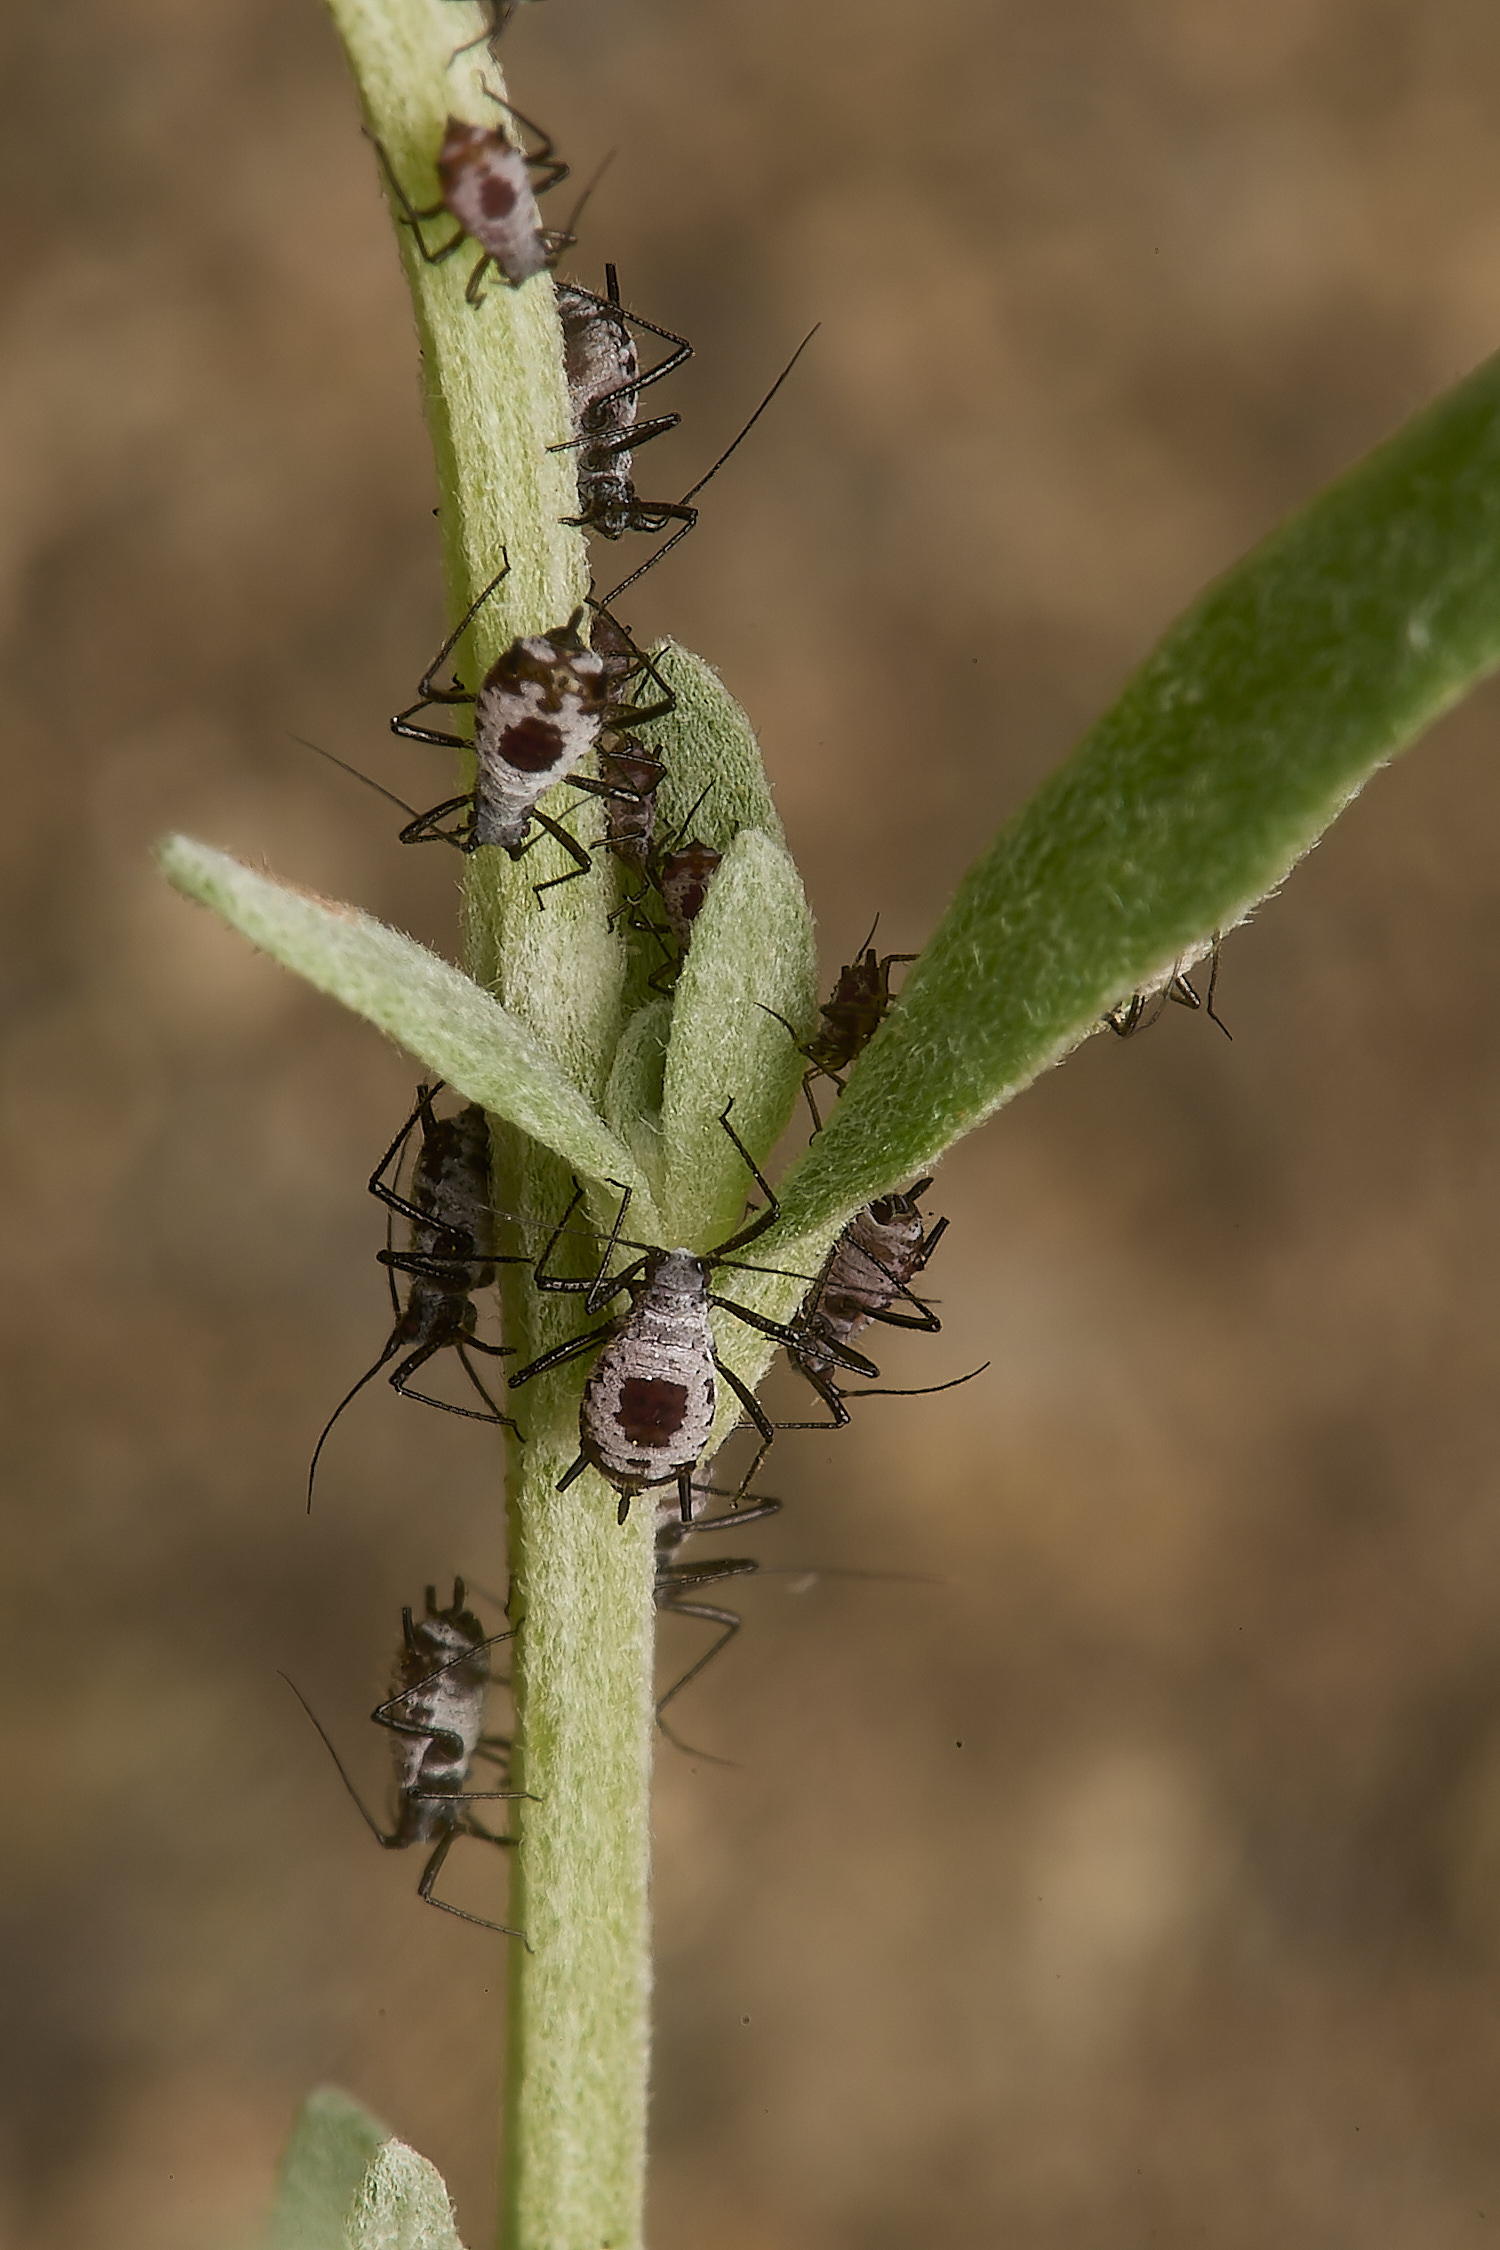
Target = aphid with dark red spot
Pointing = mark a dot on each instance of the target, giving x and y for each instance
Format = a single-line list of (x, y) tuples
[(859, 1006), (1142, 1009), (604, 387), (649, 1401), (451, 1254), (490, 186), (539, 710), (435, 1715)]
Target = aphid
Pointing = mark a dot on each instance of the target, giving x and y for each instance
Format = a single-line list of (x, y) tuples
[(490, 186), (683, 879), (604, 387), (873, 1263), (649, 1401), (860, 1003), (1142, 1009), (451, 1255), (540, 708), (435, 1716)]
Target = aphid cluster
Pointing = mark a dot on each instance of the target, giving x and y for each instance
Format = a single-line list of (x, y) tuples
[(564, 706)]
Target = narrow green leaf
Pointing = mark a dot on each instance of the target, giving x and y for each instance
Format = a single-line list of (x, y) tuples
[(439, 1015), (333, 2145), (1312, 663), (402, 2204), (711, 754), (752, 950)]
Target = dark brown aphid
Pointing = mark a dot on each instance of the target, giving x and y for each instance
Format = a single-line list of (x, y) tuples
[(490, 186), (435, 1716), (539, 710), (859, 1006), (451, 1254), (683, 879), (604, 387), (1142, 1009), (648, 1405)]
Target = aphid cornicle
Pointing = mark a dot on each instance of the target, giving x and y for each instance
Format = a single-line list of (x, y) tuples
[(451, 1254), (649, 1401), (539, 710), (604, 387), (490, 186), (435, 1716), (1142, 1009), (860, 1003)]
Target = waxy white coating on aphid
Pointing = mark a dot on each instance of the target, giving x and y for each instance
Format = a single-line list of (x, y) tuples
[(537, 714), (487, 187), (603, 369), (878, 1253), (648, 1405), (448, 1712)]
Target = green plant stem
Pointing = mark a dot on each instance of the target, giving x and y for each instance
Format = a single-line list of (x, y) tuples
[(581, 1592)]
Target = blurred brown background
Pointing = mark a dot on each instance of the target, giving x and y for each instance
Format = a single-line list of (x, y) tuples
[(1137, 1883)]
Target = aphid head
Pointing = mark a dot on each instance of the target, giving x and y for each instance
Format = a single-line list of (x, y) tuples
[(676, 1273)]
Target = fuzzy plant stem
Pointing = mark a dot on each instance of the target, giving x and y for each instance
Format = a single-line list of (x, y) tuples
[(581, 1590)]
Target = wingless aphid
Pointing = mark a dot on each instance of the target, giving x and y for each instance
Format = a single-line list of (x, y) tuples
[(859, 1006), (451, 1254), (435, 1716), (490, 186), (539, 710), (604, 387), (649, 1401), (1142, 1009)]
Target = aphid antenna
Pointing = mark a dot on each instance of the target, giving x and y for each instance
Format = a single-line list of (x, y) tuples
[(344, 767), (369, 1376), (570, 231), (365, 1814), (691, 494), (925, 1390)]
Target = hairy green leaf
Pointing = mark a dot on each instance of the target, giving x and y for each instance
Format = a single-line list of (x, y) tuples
[(1263, 711), (424, 1003), (333, 2144)]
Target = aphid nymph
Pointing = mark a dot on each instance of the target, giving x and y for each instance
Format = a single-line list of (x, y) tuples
[(435, 1717), (490, 186)]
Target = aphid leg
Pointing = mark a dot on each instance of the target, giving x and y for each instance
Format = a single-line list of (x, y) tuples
[(565, 1285), (842, 1355), (428, 692), (559, 1356), (376, 1184), (424, 829), (1213, 986), (581, 860), (728, 1619), (419, 1358), (473, 294), (762, 1219), (667, 510), (430, 1875), (413, 214), (832, 1397), (758, 1416), (762, 1509)]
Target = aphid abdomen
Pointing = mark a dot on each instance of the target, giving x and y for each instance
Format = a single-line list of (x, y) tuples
[(630, 810), (487, 187), (451, 1181), (538, 713), (437, 1710), (683, 879), (648, 1405)]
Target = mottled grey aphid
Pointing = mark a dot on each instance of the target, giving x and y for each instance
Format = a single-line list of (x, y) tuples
[(1142, 1009), (604, 387), (539, 710), (435, 1716), (490, 186), (876, 1258), (649, 1401), (451, 1254)]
